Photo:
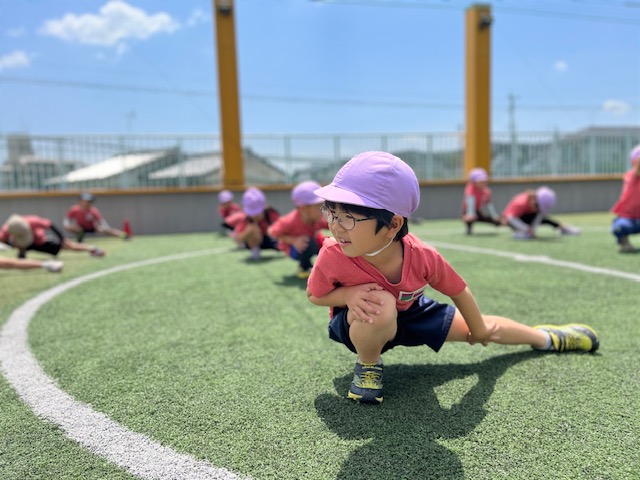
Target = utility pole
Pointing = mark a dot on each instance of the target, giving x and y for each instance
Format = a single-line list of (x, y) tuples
[(477, 88), (233, 169)]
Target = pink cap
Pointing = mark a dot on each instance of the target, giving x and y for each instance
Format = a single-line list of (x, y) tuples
[(546, 199), (302, 194), (253, 201), (478, 175), (225, 196), (634, 156), (375, 180)]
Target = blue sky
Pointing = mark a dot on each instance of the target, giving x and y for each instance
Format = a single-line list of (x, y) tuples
[(310, 66)]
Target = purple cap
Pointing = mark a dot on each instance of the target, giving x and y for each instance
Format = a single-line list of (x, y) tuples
[(375, 180), (302, 194), (634, 156), (478, 175), (253, 201), (225, 196), (546, 199)]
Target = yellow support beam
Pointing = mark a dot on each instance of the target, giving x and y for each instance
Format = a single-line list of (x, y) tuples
[(233, 169), (478, 88)]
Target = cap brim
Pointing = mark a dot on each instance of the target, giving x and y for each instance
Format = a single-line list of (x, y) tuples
[(339, 195)]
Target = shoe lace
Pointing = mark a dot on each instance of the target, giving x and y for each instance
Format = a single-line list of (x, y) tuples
[(369, 378)]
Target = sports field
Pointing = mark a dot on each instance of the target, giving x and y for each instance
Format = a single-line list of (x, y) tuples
[(173, 357)]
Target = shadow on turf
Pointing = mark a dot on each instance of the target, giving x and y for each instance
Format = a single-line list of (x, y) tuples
[(405, 430)]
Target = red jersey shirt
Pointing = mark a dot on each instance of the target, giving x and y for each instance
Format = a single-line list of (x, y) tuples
[(87, 219), (628, 205), (270, 216), (38, 226), (518, 206), (481, 195), (228, 210), (293, 225), (422, 267)]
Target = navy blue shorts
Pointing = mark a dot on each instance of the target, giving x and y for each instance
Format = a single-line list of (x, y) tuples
[(426, 322)]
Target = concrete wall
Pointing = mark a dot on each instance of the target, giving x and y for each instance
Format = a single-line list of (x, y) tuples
[(196, 211)]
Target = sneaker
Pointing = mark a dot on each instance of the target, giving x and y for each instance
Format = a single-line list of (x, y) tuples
[(627, 248), (573, 337), (96, 252), (255, 254), (522, 236), (366, 386), (54, 266), (569, 230), (303, 274)]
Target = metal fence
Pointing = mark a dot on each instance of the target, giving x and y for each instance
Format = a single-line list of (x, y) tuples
[(72, 162)]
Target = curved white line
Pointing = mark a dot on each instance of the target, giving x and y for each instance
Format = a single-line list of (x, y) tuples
[(135, 452), (520, 257)]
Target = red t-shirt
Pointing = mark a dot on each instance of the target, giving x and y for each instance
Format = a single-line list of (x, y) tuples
[(228, 210), (87, 219), (422, 266), (293, 225), (628, 205), (38, 226), (482, 196), (270, 216), (518, 206)]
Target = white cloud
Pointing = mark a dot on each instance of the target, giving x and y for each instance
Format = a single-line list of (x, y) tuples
[(116, 22), (560, 66), (616, 107), (15, 59), (197, 16)]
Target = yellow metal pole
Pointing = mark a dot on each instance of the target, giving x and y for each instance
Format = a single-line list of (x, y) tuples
[(478, 88), (233, 170)]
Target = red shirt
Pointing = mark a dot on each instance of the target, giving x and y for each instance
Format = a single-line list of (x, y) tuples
[(270, 216), (482, 196), (422, 266), (628, 205), (38, 226), (518, 206), (227, 210), (293, 225), (87, 219)]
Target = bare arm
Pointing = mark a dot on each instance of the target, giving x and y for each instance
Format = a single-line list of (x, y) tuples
[(478, 330), (359, 299)]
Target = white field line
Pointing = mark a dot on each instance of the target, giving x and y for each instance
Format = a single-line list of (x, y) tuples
[(137, 453), (140, 455), (520, 257)]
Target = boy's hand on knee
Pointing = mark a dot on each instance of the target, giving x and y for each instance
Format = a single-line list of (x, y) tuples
[(362, 302), (490, 334)]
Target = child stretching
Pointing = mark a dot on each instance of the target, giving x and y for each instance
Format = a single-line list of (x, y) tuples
[(627, 208), (373, 274), (476, 203), (299, 233)]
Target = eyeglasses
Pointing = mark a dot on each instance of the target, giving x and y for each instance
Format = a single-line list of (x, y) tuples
[(344, 219)]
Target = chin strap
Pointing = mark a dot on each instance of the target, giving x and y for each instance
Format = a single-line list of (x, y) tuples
[(373, 254)]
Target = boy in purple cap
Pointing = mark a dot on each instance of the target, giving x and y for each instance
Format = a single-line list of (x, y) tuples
[(299, 233), (477, 205), (252, 228), (627, 208), (528, 210), (373, 273)]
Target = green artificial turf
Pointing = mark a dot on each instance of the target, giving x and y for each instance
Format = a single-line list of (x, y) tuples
[(227, 361)]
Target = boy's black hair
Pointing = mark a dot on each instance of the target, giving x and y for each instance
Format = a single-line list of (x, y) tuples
[(383, 217)]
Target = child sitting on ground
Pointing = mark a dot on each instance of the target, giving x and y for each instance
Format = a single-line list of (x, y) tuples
[(530, 209), (477, 205), (627, 208), (299, 233), (373, 274), (251, 230)]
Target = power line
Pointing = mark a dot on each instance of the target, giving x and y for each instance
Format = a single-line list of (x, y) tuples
[(280, 99)]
